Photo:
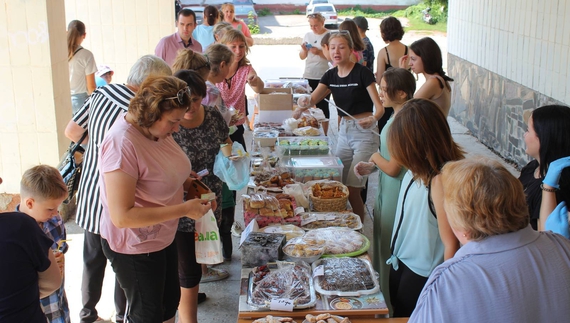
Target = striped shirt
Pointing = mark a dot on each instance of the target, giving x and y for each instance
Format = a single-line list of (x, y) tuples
[(97, 115)]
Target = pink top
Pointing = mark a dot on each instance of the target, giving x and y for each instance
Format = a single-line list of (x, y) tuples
[(241, 26), (160, 168), (234, 96), (168, 47)]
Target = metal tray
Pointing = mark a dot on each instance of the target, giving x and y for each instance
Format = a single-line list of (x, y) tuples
[(371, 271)]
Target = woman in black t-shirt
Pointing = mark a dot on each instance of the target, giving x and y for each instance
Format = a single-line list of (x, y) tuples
[(354, 90), (546, 140)]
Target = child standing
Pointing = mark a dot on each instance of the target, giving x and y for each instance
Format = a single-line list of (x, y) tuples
[(368, 52), (42, 190)]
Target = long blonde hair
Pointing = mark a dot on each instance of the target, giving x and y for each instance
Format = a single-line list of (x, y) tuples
[(75, 30)]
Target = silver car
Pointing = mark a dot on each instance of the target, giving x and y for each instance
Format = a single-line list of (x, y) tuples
[(329, 12)]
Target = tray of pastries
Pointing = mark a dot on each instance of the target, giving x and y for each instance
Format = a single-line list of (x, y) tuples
[(274, 319), (318, 220), (325, 318), (345, 277), (291, 281), (340, 242)]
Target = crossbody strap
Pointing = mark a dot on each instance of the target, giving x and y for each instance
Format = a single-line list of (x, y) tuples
[(73, 147), (75, 52), (392, 245)]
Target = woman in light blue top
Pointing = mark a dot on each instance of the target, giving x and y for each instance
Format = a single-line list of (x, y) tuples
[(204, 33), (396, 87), (420, 140)]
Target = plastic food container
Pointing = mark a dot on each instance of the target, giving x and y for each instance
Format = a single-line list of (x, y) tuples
[(303, 146), (317, 220), (265, 138), (306, 169), (259, 248), (345, 277), (289, 230)]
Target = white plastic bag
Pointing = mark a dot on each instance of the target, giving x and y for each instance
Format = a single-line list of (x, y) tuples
[(208, 244)]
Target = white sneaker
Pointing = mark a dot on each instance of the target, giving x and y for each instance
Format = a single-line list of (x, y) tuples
[(236, 229)]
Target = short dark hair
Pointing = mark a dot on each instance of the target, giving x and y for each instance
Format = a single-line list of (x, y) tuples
[(399, 79), (391, 29), (186, 12), (194, 80)]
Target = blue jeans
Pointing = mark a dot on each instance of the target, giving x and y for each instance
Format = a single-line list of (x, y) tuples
[(77, 101), (353, 146)]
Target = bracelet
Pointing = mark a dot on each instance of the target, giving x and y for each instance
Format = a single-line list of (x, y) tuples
[(545, 189)]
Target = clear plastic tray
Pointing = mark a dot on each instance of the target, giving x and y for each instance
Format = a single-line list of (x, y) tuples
[(266, 304), (317, 220), (348, 274)]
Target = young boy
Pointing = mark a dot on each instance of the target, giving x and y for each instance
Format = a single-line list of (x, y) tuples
[(28, 270), (42, 190)]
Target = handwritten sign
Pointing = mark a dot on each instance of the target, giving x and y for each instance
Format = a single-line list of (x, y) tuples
[(281, 304), (299, 209)]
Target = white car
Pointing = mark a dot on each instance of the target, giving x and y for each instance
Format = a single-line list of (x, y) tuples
[(329, 12), (312, 3)]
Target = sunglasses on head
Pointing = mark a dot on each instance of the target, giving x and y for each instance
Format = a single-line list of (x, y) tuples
[(314, 15), (180, 95), (342, 32)]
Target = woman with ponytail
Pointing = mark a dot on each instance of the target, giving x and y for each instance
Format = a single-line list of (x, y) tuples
[(204, 33), (425, 58), (82, 65)]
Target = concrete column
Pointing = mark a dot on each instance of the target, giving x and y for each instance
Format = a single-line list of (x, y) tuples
[(35, 102)]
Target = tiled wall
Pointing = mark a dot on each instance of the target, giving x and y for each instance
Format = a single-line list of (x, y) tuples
[(35, 102), (526, 41), (121, 31), (506, 57)]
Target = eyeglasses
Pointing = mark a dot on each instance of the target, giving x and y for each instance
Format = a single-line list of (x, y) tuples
[(180, 95)]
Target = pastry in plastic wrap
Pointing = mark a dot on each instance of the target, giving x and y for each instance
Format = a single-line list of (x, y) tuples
[(274, 319), (318, 220), (292, 281), (338, 240), (304, 249), (290, 231)]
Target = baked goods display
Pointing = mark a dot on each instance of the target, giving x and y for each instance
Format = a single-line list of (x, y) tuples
[(274, 319), (291, 281), (306, 169), (307, 131), (325, 318), (317, 220), (268, 209), (304, 249), (290, 231), (308, 121), (328, 191), (303, 146), (328, 196), (339, 241), (345, 277), (272, 178)]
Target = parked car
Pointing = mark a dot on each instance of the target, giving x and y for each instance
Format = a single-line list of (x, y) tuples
[(191, 4), (243, 2), (243, 11), (312, 3), (329, 12)]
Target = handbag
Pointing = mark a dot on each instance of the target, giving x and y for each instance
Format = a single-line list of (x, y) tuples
[(70, 167), (208, 245)]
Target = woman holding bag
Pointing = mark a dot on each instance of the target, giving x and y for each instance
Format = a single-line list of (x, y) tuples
[(202, 131)]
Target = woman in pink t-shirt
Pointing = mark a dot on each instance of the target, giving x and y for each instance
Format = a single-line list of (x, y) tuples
[(228, 14), (241, 73), (144, 172)]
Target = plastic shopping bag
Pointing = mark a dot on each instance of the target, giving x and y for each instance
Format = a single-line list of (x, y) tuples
[(208, 245), (235, 173)]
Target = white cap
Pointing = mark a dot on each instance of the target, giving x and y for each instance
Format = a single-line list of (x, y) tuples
[(102, 69)]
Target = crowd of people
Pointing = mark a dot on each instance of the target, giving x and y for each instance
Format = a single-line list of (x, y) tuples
[(443, 224)]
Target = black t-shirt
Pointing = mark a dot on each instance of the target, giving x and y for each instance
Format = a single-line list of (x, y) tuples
[(350, 92), (23, 252), (532, 191)]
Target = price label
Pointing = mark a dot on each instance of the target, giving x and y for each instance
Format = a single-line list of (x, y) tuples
[(306, 219), (281, 304), (319, 271), (299, 209)]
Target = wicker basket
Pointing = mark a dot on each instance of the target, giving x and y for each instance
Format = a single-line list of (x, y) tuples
[(331, 204)]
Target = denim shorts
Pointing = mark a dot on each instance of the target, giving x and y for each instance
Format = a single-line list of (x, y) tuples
[(354, 145), (77, 101)]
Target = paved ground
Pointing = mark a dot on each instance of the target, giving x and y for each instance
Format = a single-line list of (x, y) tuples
[(269, 62)]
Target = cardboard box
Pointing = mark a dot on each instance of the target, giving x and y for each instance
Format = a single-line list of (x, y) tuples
[(275, 107)]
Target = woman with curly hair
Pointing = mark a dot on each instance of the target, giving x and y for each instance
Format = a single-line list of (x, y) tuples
[(144, 176)]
